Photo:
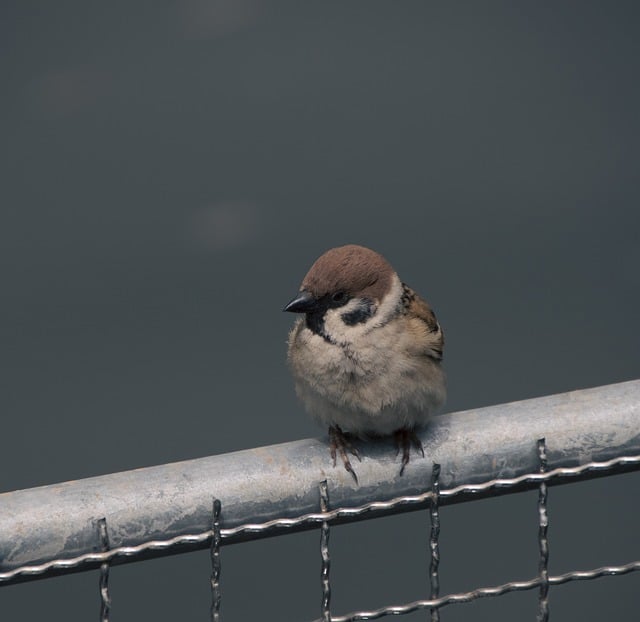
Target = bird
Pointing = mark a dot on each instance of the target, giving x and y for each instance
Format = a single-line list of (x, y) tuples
[(365, 353)]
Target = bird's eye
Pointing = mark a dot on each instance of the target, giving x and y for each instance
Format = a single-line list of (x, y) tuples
[(338, 297)]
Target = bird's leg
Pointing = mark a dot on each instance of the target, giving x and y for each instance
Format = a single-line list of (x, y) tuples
[(405, 439), (339, 442)]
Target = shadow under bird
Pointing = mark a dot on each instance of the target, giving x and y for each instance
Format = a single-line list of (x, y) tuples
[(366, 354)]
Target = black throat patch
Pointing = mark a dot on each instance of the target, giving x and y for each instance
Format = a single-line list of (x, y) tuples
[(315, 323)]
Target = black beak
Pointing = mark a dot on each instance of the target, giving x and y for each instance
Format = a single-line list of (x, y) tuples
[(304, 302)]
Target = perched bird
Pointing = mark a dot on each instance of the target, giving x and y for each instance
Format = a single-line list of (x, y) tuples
[(366, 356)]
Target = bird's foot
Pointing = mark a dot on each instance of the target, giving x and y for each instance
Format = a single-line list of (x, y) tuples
[(339, 443), (406, 439)]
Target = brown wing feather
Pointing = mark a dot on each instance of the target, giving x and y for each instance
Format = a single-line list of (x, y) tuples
[(419, 309)]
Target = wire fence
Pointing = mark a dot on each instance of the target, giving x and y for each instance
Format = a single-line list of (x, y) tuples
[(217, 534)]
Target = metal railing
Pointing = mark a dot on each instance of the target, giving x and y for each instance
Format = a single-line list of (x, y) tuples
[(210, 502)]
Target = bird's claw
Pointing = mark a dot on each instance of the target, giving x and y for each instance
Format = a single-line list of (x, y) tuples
[(340, 443), (406, 439)]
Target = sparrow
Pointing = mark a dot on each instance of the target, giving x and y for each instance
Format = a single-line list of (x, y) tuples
[(366, 353)]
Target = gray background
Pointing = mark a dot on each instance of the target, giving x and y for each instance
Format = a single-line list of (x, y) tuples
[(170, 171)]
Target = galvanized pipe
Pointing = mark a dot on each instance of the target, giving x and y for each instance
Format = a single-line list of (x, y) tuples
[(257, 485)]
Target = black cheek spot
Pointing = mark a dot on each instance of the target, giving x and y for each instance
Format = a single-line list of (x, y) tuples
[(359, 315)]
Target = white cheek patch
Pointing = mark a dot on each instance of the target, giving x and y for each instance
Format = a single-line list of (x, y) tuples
[(389, 304), (373, 316), (333, 323)]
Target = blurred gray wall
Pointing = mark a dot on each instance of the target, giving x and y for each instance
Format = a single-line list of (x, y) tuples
[(170, 171)]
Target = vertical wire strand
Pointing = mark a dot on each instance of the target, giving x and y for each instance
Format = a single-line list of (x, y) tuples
[(216, 539), (434, 546), (324, 553), (543, 542), (105, 596)]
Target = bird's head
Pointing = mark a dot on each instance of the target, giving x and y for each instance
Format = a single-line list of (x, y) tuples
[(344, 288)]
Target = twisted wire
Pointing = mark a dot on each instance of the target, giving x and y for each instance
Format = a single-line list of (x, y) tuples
[(499, 590), (324, 553), (543, 542), (105, 596), (216, 540), (434, 546)]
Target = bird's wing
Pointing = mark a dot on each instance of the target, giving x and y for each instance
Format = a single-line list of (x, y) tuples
[(424, 321)]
